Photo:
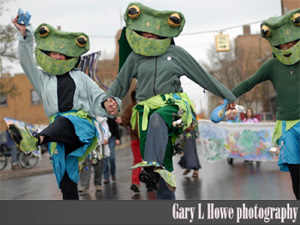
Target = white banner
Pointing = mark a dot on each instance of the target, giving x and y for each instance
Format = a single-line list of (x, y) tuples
[(249, 141)]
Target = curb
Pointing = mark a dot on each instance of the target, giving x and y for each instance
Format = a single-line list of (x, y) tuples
[(5, 175)]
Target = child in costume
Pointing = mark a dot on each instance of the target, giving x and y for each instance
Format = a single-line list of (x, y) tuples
[(158, 64), (70, 98), (284, 72)]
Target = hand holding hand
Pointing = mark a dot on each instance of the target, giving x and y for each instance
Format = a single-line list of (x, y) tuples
[(119, 120), (20, 27), (111, 106)]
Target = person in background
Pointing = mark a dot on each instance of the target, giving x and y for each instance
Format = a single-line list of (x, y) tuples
[(135, 143), (190, 160), (109, 163), (249, 117), (13, 151), (95, 158)]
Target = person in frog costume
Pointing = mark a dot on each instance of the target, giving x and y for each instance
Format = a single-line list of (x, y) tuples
[(70, 98), (158, 64), (283, 71)]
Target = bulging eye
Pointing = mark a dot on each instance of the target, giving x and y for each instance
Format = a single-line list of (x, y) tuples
[(81, 41), (266, 31), (43, 31), (296, 19), (134, 11), (174, 20)]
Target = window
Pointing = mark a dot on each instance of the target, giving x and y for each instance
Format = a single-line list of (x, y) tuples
[(3, 99), (35, 99)]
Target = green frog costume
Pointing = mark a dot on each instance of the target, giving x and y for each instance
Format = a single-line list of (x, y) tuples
[(284, 73), (68, 95), (158, 64)]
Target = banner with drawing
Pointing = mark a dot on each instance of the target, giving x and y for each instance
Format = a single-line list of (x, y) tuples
[(236, 140)]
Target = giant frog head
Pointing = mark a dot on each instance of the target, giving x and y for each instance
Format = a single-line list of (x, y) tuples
[(72, 45), (284, 30), (165, 24)]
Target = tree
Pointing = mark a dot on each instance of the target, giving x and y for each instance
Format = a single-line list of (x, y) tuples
[(7, 52), (235, 66)]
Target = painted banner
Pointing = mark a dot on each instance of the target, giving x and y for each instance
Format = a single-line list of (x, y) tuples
[(248, 141), (22, 124)]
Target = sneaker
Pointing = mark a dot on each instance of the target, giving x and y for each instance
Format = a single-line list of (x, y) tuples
[(83, 190), (135, 188), (114, 178), (150, 178), (106, 181), (23, 138), (186, 172), (98, 188), (15, 167)]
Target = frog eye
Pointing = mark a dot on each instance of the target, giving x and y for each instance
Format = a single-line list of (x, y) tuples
[(174, 20), (81, 41), (134, 11), (296, 19), (266, 31), (43, 31)]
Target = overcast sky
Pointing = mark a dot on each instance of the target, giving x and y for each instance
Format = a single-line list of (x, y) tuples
[(101, 19)]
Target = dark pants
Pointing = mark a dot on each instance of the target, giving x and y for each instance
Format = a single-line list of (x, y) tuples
[(63, 131), (295, 175)]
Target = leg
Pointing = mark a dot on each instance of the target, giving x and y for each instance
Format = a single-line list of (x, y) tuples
[(135, 147), (68, 188), (295, 175), (163, 191), (98, 172), (105, 170), (112, 157), (85, 176), (157, 139)]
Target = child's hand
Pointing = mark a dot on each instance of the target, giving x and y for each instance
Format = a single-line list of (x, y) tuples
[(111, 106), (20, 27)]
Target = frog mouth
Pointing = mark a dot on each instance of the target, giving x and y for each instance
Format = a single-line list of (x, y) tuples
[(150, 35), (290, 45), (47, 54)]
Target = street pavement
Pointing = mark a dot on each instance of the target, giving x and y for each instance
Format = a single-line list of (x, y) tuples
[(216, 181)]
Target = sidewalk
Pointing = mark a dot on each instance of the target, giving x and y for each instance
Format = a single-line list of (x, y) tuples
[(44, 166)]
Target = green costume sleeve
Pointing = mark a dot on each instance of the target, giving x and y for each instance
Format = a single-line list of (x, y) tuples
[(261, 75), (192, 69)]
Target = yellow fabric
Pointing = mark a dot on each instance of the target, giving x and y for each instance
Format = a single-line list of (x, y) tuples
[(158, 102), (278, 128)]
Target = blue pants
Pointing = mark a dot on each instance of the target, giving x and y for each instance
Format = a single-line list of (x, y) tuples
[(109, 163)]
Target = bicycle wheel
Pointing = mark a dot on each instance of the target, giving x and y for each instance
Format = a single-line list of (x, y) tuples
[(3, 156), (27, 161), (3, 160)]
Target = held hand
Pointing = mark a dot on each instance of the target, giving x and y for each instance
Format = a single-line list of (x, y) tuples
[(20, 27), (230, 106), (118, 120), (111, 106)]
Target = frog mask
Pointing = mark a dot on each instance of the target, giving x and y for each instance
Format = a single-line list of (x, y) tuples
[(165, 24), (49, 39), (281, 30)]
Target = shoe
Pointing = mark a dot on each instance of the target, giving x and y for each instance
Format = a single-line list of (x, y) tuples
[(150, 178), (15, 167), (23, 138), (114, 178), (186, 172), (83, 190), (98, 188), (135, 188), (195, 174), (106, 181)]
